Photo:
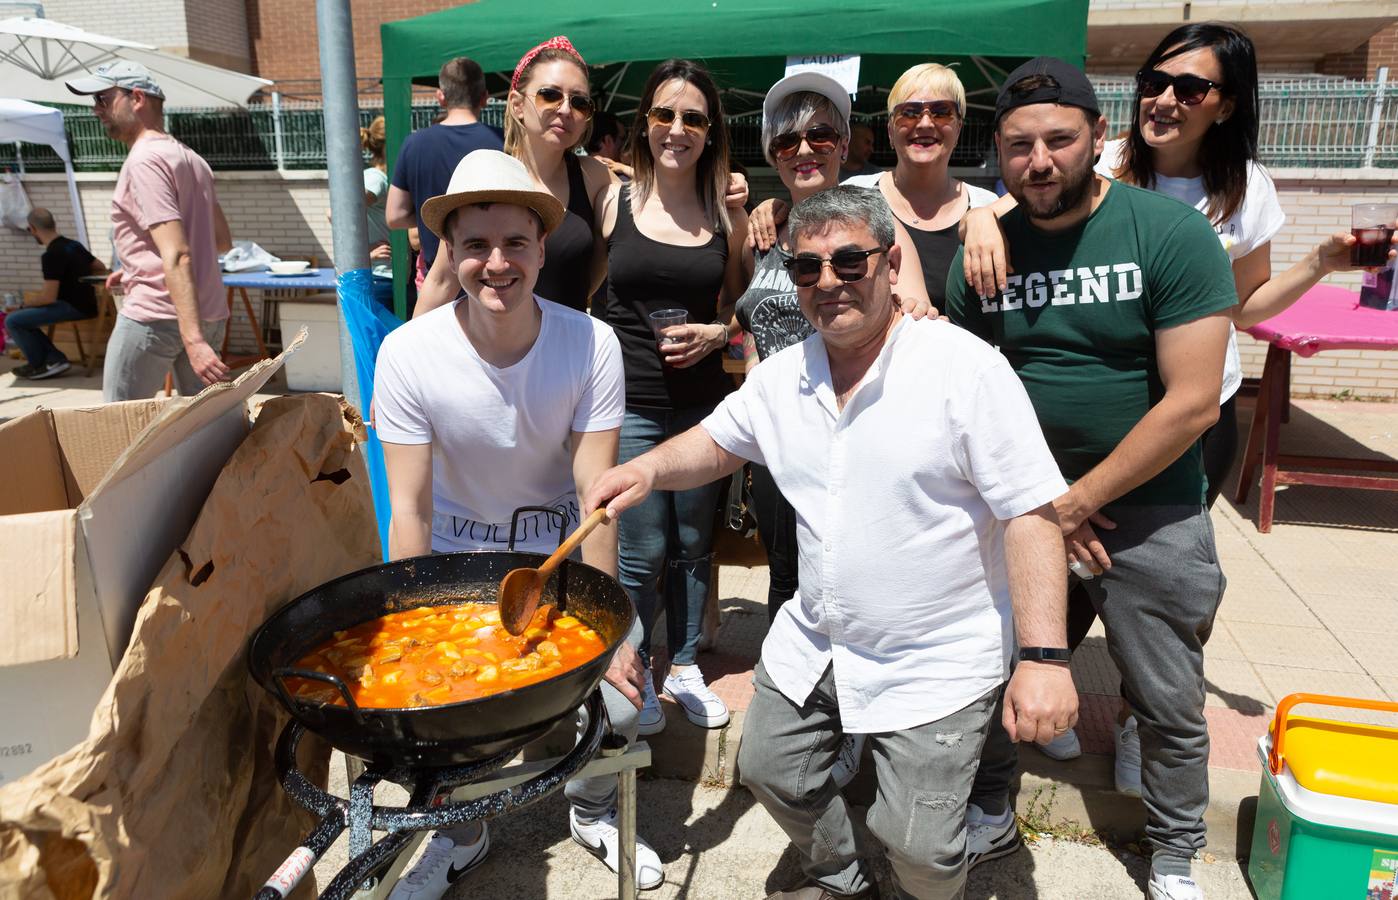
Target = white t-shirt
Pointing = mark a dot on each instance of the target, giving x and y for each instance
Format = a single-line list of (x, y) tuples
[(899, 502), (976, 195), (500, 437), (1255, 222)]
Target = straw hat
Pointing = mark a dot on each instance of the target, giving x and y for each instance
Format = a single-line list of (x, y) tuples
[(489, 176)]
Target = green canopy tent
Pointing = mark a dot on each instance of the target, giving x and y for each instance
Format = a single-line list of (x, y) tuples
[(744, 44)]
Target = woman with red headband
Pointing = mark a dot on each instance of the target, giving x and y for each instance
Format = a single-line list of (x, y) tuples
[(548, 116)]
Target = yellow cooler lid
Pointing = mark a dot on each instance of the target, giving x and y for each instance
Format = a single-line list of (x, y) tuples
[(1343, 759)]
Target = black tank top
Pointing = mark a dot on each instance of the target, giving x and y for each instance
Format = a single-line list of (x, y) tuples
[(935, 251), (566, 275), (646, 275)]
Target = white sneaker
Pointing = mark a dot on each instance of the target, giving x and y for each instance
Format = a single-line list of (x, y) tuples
[(602, 840), (700, 705), (847, 759), (441, 865), (652, 717), (989, 838), (1128, 757), (1063, 746), (1174, 887)]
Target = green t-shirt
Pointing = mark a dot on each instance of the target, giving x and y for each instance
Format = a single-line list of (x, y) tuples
[(1078, 321)]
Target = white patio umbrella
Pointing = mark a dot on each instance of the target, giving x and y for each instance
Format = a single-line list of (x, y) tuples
[(21, 120), (38, 55)]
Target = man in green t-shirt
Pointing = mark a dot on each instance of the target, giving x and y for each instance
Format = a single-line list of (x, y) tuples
[(1116, 321)]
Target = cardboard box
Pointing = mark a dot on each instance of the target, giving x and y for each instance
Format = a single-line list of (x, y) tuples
[(92, 503)]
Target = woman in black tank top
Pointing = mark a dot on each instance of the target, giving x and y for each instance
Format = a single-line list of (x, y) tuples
[(544, 134), (671, 244)]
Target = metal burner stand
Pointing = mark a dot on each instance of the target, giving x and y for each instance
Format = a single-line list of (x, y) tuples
[(479, 790)]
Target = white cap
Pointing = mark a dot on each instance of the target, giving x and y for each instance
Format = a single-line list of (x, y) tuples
[(816, 83), (489, 176)]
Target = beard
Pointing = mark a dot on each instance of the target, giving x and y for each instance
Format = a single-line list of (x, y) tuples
[(1075, 186)]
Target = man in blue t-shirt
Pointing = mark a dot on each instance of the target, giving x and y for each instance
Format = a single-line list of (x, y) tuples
[(428, 157)]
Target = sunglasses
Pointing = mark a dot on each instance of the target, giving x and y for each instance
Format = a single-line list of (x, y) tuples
[(107, 98), (692, 120), (548, 99), (1189, 89), (848, 265), (943, 112), (820, 138)]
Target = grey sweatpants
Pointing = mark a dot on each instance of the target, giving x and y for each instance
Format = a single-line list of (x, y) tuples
[(1157, 603), (919, 814), (140, 353)]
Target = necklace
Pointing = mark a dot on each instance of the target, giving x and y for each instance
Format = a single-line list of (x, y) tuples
[(913, 217)]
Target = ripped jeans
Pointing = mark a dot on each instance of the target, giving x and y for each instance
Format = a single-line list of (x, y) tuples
[(919, 814), (667, 539)]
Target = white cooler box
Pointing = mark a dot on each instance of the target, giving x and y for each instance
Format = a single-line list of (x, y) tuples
[(316, 366)]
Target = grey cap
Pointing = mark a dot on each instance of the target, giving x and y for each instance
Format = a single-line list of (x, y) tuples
[(124, 74)]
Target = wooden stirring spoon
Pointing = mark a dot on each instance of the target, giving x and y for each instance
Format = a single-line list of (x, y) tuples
[(521, 589)]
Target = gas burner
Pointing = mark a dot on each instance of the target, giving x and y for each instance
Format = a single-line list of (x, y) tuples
[(370, 859)]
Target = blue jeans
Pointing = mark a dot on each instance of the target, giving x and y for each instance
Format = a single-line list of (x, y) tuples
[(27, 326), (667, 538)]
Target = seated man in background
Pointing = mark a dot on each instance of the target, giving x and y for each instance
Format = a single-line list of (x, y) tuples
[(493, 402), (63, 298)]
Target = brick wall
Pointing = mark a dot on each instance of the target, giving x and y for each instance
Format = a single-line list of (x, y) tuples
[(217, 33), (157, 22), (1364, 61), (282, 34)]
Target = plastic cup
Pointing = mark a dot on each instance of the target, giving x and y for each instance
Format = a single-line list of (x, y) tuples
[(1372, 226), (662, 319)]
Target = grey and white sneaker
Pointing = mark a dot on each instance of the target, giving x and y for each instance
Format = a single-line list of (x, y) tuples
[(602, 839), (990, 837), (1128, 757), (1174, 887), (652, 717), (442, 864), (847, 759), (1063, 746), (700, 704)]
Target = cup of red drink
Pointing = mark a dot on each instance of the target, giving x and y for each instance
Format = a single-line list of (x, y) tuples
[(1372, 226), (663, 319)]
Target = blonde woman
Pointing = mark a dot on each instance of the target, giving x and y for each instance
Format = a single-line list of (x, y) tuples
[(926, 110)]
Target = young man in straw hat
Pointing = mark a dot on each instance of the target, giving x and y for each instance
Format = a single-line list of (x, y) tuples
[(500, 400)]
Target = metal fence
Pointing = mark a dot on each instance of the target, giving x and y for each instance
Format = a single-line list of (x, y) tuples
[(1315, 122)]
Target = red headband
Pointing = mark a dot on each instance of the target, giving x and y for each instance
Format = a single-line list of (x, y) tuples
[(553, 43)]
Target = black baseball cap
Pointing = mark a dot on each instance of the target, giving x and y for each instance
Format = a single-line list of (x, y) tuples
[(1073, 87)]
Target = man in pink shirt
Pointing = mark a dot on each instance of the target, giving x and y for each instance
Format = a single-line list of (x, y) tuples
[(168, 233)]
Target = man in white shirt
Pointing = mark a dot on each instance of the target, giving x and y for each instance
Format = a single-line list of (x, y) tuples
[(497, 401), (923, 493)]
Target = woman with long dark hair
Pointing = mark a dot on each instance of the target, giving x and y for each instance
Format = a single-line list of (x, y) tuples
[(673, 244)]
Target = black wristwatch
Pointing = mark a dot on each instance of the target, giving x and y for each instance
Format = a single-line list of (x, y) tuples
[(1045, 654)]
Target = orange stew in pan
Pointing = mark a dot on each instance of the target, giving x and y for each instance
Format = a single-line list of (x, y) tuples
[(435, 655)]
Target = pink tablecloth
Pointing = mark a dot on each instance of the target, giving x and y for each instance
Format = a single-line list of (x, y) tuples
[(1330, 318)]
